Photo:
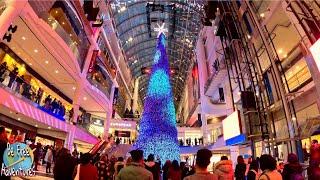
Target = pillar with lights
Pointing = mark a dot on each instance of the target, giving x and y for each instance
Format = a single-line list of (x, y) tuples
[(158, 132)]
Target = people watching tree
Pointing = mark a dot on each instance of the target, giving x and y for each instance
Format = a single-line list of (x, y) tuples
[(64, 165), (153, 167), (202, 163), (135, 169), (292, 170), (253, 170), (241, 168), (174, 171), (224, 169), (165, 169), (268, 165), (85, 170), (118, 166)]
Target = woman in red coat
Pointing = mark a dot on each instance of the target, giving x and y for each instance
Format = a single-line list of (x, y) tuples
[(174, 171)]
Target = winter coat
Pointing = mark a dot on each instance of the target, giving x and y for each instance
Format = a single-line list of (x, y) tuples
[(240, 171), (49, 156), (134, 171), (270, 175), (154, 168), (292, 171), (224, 170)]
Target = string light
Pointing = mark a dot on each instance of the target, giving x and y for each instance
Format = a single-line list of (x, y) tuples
[(158, 133)]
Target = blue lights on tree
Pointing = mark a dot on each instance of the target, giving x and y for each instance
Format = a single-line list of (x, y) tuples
[(158, 132)]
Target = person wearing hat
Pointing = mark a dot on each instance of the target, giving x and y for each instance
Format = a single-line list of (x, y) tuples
[(202, 163), (135, 170)]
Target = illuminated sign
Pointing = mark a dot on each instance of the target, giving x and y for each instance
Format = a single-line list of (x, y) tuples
[(232, 129), (17, 160), (315, 51), (120, 124)]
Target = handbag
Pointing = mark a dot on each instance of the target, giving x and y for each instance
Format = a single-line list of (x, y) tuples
[(78, 173)]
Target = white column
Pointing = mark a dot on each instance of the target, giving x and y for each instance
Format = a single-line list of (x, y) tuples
[(135, 94), (68, 143), (202, 69), (12, 10), (109, 114), (78, 95)]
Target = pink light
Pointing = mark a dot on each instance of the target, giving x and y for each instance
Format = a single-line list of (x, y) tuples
[(315, 51)]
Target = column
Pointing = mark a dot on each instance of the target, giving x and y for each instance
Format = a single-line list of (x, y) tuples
[(202, 69), (13, 9), (77, 100), (109, 114), (87, 61), (68, 143), (135, 94)]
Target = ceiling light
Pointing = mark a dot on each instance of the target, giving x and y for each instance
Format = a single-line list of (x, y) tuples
[(49, 127), (36, 125), (123, 8), (56, 71), (23, 38), (70, 35), (10, 112), (135, 61), (85, 98), (19, 119), (56, 12), (63, 23), (294, 118), (280, 51), (248, 35), (130, 39), (47, 62), (73, 88), (285, 55), (239, 93), (262, 15), (30, 64), (35, 50)]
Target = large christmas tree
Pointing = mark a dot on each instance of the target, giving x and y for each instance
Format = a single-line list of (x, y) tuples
[(158, 132)]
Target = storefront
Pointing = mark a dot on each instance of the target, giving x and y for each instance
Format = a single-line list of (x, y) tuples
[(18, 130)]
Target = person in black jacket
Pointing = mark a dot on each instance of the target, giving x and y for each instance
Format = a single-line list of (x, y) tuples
[(153, 167), (292, 170), (241, 168), (253, 170), (64, 165)]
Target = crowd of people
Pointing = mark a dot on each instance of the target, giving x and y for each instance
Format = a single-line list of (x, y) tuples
[(69, 166), (18, 83)]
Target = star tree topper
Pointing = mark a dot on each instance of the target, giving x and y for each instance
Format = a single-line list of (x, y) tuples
[(161, 29)]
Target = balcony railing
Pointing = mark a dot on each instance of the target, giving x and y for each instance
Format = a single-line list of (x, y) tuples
[(78, 49), (21, 88), (299, 78)]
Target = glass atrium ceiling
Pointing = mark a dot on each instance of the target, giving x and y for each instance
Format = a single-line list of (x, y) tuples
[(135, 22)]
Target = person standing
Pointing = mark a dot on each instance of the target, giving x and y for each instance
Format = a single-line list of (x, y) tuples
[(102, 168), (3, 146), (118, 166), (48, 158), (224, 169), (292, 170), (64, 165), (241, 168), (165, 169), (174, 171), (135, 169), (202, 163), (3, 69), (13, 74), (268, 166), (153, 167), (85, 170), (253, 172)]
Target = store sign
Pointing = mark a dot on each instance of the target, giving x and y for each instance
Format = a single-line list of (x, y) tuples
[(315, 51), (232, 129), (17, 160)]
